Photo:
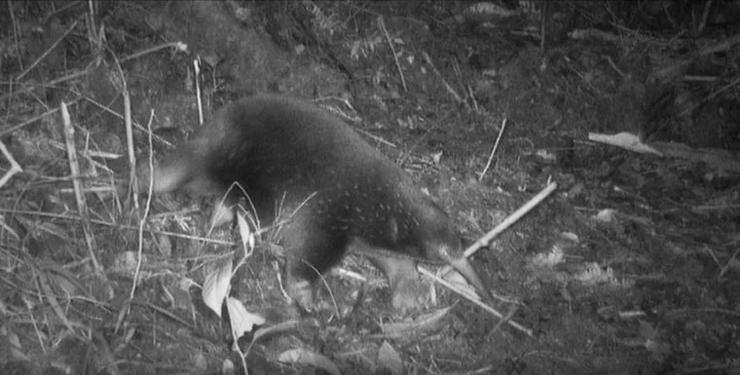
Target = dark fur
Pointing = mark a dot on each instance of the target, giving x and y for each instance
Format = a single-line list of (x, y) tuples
[(284, 150)]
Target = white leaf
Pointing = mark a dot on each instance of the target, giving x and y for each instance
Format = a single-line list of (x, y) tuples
[(245, 234), (625, 140), (242, 321), (216, 286), (606, 215)]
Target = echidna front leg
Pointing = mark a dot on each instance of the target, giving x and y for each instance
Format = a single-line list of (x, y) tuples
[(408, 291), (298, 286), (311, 247)]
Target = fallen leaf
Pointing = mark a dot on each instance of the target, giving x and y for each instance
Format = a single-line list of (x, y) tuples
[(216, 286), (307, 357), (426, 322), (242, 321), (389, 359)]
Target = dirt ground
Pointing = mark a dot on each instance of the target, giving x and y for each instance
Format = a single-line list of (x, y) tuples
[(629, 267)]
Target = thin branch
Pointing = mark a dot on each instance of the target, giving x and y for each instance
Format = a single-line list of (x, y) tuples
[(393, 50), (513, 218), (74, 166), (46, 53), (32, 120), (148, 206), (196, 67), (543, 26), (130, 146), (474, 300), (136, 124), (493, 151), (709, 97), (509, 221), (178, 46), (449, 88), (16, 32), (127, 227), (704, 17), (669, 71), (51, 83)]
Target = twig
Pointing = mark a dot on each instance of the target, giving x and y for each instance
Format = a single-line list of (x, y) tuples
[(337, 111), (130, 146), (505, 319), (59, 10), (136, 124), (449, 88), (393, 50), (583, 34), (32, 120), (16, 31), (471, 94), (41, 337), (511, 219), (103, 352), (119, 226), (704, 17), (709, 97), (728, 264), (14, 166), (543, 26), (74, 166), (52, 299), (476, 301), (721, 46), (46, 53), (376, 138), (196, 67), (164, 312), (148, 206), (669, 71), (125, 309), (493, 151), (615, 67), (699, 78), (179, 46), (92, 35), (51, 83)]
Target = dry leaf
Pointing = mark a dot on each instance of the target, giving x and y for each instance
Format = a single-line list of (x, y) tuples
[(389, 359), (242, 321), (426, 322), (216, 286), (625, 140), (307, 357)]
